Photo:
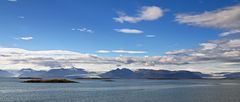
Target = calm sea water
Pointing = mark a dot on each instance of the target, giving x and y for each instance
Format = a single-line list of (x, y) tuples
[(12, 90)]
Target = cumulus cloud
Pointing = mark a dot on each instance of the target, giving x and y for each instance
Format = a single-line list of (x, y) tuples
[(208, 46), (215, 53), (103, 51), (130, 31), (129, 51), (17, 58), (235, 43), (226, 18), (230, 32), (232, 54), (83, 29), (122, 51), (177, 52), (221, 51), (25, 38), (49, 58), (146, 13)]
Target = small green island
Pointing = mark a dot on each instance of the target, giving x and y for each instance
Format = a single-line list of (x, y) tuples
[(49, 81)]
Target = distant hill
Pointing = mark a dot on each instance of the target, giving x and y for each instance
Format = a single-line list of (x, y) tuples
[(52, 73), (119, 73), (57, 73), (232, 75), (4, 73), (148, 73), (28, 72)]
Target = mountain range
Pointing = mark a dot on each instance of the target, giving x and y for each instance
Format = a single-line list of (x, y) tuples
[(232, 75), (28, 72), (149, 73), (123, 73), (53, 73), (4, 73)]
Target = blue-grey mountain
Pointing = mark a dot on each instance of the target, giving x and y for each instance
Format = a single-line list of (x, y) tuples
[(148, 73), (4, 73)]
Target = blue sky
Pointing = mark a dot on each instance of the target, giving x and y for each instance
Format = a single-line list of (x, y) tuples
[(89, 26), (50, 23)]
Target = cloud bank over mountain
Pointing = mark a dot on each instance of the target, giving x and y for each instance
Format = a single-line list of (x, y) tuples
[(223, 56)]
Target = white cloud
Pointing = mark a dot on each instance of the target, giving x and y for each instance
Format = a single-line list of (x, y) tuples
[(147, 13), (217, 51), (16, 58), (83, 29), (227, 18), (177, 52), (215, 54), (25, 38), (234, 43), (122, 51), (103, 51), (229, 33), (232, 54), (198, 54), (131, 31), (208, 46), (150, 36), (129, 51)]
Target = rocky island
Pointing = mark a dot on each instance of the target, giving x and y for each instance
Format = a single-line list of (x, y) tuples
[(49, 81)]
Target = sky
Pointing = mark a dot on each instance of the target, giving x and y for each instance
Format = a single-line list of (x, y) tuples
[(195, 35)]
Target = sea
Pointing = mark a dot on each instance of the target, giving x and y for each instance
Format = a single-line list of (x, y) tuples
[(121, 90)]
